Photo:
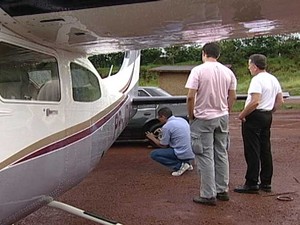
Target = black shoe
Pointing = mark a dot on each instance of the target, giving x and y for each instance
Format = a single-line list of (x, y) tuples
[(253, 189), (223, 196), (205, 201), (265, 187)]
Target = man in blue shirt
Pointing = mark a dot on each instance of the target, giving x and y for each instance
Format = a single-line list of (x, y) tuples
[(175, 149)]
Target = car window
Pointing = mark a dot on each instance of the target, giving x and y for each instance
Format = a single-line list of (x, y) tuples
[(143, 93), (153, 92)]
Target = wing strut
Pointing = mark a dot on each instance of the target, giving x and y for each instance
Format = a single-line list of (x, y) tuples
[(82, 213)]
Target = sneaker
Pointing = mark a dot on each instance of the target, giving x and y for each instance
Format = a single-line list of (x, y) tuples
[(247, 189), (205, 201), (184, 167), (190, 168), (223, 196), (265, 187)]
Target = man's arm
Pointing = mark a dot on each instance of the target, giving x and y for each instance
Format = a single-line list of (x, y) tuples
[(278, 102), (255, 98), (152, 137), (231, 99), (190, 103)]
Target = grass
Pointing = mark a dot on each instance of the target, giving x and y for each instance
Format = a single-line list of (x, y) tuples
[(286, 70), (287, 106), (239, 105)]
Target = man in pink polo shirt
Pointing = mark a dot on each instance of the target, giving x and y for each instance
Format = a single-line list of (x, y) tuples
[(211, 95)]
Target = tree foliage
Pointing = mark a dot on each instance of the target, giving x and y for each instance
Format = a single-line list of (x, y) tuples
[(234, 52), (151, 56), (106, 60)]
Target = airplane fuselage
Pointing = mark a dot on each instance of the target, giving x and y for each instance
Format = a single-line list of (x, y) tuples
[(57, 119)]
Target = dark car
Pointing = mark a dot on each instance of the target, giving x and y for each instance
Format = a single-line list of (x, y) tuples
[(145, 118)]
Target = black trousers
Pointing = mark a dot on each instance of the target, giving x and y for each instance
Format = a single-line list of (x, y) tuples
[(257, 147)]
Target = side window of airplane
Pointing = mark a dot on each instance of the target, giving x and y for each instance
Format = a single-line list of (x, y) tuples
[(85, 84), (27, 75)]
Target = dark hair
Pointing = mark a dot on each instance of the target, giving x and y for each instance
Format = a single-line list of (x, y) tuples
[(165, 111), (259, 60), (212, 50)]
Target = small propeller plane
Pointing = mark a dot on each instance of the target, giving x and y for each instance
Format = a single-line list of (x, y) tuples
[(58, 117)]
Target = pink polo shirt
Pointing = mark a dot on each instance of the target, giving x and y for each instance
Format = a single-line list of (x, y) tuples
[(212, 80)]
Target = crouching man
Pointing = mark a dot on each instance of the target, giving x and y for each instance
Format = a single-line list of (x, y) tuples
[(175, 149)]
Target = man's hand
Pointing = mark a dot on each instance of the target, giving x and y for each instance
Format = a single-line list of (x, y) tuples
[(150, 135), (191, 118), (242, 118)]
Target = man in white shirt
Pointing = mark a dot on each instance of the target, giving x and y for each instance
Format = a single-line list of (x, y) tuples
[(264, 98)]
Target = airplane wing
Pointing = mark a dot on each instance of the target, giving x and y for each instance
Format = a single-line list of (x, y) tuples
[(95, 27)]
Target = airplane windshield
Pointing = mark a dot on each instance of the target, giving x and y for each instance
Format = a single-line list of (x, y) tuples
[(27, 75)]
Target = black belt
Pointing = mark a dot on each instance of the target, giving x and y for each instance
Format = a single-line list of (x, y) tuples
[(263, 110)]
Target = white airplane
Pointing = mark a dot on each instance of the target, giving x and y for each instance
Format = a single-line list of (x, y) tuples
[(58, 117)]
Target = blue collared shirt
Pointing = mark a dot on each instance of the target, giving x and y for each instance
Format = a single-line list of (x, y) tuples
[(176, 134)]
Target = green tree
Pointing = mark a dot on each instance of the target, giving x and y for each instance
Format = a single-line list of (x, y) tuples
[(232, 52), (151, 56), (194, 53), (106, 60)]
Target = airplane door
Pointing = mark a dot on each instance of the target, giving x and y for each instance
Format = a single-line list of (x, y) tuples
[(30, 99)]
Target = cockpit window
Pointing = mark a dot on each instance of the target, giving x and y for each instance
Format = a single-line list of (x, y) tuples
[(28, 75), (85, 84)]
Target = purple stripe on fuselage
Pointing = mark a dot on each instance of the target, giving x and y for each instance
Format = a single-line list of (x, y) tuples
[(69, 140)]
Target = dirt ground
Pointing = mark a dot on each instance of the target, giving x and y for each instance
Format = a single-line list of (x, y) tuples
[(128, 187)]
